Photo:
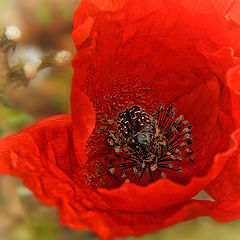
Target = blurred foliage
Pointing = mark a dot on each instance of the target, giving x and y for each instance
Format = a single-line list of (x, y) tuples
[(3, 4), (200, 229), (15, 117), (43, 13)]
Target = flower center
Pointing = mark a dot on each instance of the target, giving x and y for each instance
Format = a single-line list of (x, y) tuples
[(153, 144)]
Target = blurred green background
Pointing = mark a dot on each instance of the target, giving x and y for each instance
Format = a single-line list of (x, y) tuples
[(47, 24)]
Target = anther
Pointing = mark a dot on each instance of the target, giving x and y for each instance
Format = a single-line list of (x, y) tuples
[(183, 144), (124, 175), (112, 171), (161, 108), (180, 158), (163, 143), (117, 149), (185, 122), (135, 170), (186, 130), (179, 119), (179, 170), (171, 165), (111, 142), (189, 141), (154, 167), (177, 151), (172, 157), (189, 150), (191, 159), (187, 136), (127, 181), (163, 175), (173, 113)]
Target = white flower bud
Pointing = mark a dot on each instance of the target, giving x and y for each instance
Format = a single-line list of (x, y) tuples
[(63, 58), (13, 33), (30, 70)]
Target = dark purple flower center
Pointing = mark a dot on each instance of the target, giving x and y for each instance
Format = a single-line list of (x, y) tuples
[(150, 143)]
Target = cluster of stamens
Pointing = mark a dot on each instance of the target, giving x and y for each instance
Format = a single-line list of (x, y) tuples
[(150, 143)]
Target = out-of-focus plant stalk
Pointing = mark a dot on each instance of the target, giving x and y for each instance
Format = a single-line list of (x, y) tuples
[(21, 74)]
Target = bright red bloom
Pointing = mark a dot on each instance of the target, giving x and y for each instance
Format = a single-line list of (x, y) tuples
[(146, 52)]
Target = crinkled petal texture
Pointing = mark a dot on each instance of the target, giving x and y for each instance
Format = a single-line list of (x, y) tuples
[(141, 52), (226, 187), (35, 156), (42, 156), (146, 53)]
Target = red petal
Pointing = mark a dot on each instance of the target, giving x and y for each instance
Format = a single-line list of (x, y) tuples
[(132, 52), (41, 156), (230, 9), (84, 123), (227, 10), (130, 197), (113, 223), (44, 160), (226, 186), (233, 80), (147, 55)]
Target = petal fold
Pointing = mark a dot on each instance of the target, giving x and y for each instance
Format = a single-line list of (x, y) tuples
[(40, 156)]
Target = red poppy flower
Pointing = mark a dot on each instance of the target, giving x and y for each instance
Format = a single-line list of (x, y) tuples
[(132, 56)]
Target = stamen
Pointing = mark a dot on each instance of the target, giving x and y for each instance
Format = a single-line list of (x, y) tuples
[(163, 175), (112, 171), (124, 175), (177, 151), (152, 143), (127, 181), (153, 167), (135, 170), (171, 165), (183, 144), (188, 150), (191, 159), (179, 170)]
